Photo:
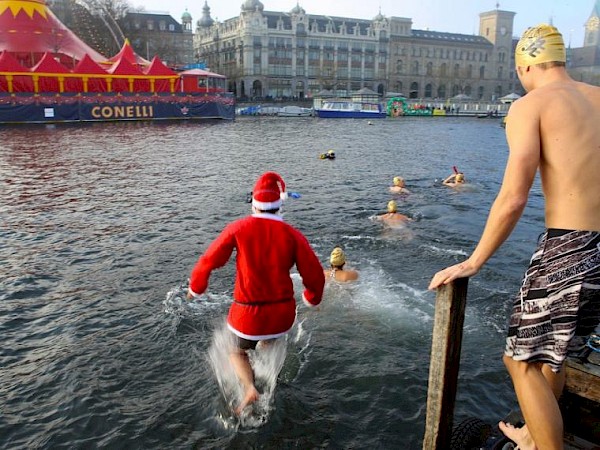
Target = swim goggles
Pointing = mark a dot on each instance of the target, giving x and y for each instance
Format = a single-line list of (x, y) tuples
[(593, 342)]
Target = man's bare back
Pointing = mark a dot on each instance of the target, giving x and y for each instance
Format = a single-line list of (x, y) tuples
[(569, 141)]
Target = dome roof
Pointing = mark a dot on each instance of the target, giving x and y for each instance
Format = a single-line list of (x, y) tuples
[(205, 20), (379, 17), (186, 15), (297, 10), (252, 5)]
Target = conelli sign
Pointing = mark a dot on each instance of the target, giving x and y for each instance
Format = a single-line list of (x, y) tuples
[(122, 112)]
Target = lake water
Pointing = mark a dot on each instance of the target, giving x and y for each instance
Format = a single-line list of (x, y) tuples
[(101, 224)]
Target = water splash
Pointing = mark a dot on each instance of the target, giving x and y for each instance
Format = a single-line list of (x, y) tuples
[(267, 361)]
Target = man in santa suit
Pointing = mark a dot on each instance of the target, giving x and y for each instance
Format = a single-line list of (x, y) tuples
[(264, 307)]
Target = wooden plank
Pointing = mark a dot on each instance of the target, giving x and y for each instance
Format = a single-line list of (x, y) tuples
[(581, 380), (444, 363)]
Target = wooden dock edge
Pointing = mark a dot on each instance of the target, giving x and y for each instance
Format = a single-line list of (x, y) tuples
[(444, 363)]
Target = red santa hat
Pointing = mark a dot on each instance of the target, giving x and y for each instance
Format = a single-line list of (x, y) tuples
[(268, 192)]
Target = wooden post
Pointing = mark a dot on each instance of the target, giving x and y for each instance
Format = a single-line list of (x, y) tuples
[(444, 363)]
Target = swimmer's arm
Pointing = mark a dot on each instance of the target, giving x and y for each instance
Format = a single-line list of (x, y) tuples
[(522, 133), (450, 179)]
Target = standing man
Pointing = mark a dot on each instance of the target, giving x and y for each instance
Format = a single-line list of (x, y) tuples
[(554, 128), (267, 248)]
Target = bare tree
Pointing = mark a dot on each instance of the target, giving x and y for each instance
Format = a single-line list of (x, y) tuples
[(109, 11)]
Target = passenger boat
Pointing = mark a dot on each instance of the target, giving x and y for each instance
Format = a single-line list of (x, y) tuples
[(294, 111), (351, 110), (41, 82)]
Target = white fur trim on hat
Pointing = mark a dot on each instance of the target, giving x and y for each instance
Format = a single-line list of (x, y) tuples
[(266, 206), (268, 192)]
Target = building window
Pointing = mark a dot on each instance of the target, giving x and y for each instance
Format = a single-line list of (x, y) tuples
[(442, 91), (150, 25), (456, 70), (415, 68), (162, 26), (414, 90), (429, 69), (428, 89), (482, 72)]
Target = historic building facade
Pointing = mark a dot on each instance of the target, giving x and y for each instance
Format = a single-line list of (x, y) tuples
[(584, 62), (294, 54), (431, 64), (160, 34)]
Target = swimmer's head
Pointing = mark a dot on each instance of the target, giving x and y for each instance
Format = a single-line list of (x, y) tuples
[(399, 181), (392, 206), (460, 178), (540, 44), (337, 257)]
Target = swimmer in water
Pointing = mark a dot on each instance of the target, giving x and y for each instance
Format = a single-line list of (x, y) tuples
[(392, 218), (399, 186), (454, 180), (337, 259)]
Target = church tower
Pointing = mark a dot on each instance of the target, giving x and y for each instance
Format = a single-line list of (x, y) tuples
[(592, 27), (186, 22), (497, 27)]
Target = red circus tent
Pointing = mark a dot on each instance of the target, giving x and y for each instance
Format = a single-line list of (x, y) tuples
[(28, 29), (86, 66), (128, 54), (127, 82), (158, 68), (49, 65), (12, 68)]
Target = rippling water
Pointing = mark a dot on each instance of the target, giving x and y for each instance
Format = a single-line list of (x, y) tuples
[(101, 224)]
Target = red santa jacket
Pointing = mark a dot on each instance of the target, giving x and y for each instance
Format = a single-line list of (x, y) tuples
[(267, 248)]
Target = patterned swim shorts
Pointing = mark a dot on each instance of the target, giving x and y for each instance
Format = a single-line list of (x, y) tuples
[(558, 305)]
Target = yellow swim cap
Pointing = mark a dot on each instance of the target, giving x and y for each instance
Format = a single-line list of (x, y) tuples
[(398, 181), (337, 258), (540, 44), (392, 206), (460, 177)]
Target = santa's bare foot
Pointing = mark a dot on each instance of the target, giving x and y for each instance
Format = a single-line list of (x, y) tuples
[(250, 397), (519, 436)]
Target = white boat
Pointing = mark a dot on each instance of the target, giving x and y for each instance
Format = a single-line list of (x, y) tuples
[(351, 109), (294, 111)]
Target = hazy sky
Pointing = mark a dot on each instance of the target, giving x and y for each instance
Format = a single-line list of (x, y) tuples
[(456, 16)]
